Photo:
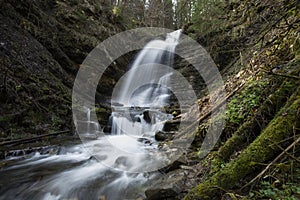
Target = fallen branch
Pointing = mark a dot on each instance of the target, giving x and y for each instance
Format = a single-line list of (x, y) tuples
[(272, 163), (259, 151), (32, 139), (282, 75), (207, 114), (287, 153)]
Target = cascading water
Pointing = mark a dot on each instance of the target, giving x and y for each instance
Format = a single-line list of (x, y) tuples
[(144, 99), (139, 115), (155, 52), (72, 173)]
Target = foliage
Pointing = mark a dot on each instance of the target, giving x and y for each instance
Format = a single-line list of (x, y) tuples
[(281, 183), (207, 15), (116, 11), (268, 190), (244, 105), (259, 151)]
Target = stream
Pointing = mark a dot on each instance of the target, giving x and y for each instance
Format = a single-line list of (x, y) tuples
[(119, 165)]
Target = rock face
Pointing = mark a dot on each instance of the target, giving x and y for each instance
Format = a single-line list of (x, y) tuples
[(159, 194), (42, 44), (169, 186)]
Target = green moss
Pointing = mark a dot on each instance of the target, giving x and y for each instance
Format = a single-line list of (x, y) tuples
[(243, 105), (259, 151), (257, 122), (270, 191)]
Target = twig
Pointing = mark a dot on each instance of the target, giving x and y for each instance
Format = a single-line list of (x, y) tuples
[(282, 75), (287, 153), (292, 162), (207, 114), (272, 163)]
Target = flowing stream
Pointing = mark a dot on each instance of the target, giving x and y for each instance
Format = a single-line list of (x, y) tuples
[(121, 165)]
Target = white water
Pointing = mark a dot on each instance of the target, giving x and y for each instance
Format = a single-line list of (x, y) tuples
[(74, 174), (71, 175), (155, 52), (140, 115)]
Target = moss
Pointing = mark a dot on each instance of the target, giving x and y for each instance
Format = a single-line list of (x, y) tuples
[(243, 105), (256, 123), (260, 151)]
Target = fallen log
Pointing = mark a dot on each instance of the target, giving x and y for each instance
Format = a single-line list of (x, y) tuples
[(32, 139), (259, 121), (261, 150)]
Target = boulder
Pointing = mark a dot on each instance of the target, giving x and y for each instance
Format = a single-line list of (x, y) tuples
[(146, 116), (171, 125), (162, 136), (159, 194)]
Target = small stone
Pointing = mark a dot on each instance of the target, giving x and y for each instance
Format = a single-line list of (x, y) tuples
[(144, 140)]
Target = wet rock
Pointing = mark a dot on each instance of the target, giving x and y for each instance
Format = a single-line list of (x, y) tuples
[(2, 155), (170, 185), (135, 108), (51, 150), (92, 158), (145, 141), (137, 119), (122, 161), (162, 136), (171, 125), (107, 129), (103, 114), (117, 104), (175, 165), (146, 116), (159, 194)]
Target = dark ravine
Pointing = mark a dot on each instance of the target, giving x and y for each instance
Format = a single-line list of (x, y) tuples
[(117, 162), (256, 47)]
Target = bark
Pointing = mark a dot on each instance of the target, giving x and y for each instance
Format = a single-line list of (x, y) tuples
[(262, 150), (251, 128)]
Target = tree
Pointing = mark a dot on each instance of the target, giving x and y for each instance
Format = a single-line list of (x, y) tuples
[(159, 13), (183, 12)]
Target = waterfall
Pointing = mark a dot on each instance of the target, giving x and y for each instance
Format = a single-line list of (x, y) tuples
[(155, 52), (123, 163), (88, 117), (143, 118), (92, 127)]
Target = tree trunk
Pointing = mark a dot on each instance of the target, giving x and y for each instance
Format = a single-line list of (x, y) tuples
[(260, 151), (254, 126)]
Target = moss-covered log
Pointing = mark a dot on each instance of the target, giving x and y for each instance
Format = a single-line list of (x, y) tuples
[(252, 127), (260, 151)]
